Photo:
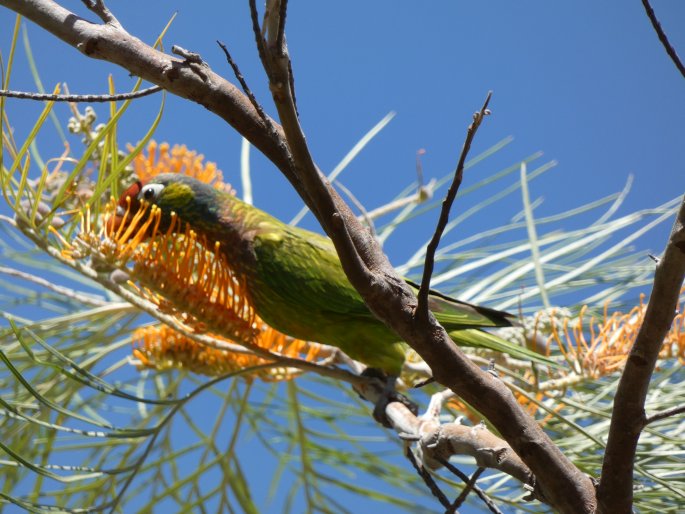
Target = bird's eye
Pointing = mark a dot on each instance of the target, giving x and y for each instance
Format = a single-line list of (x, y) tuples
[(151, 192)]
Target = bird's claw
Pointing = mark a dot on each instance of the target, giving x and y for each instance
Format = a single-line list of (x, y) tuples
[(388, 396)]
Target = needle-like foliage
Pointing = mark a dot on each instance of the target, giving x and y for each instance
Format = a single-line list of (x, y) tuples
[(135, 376)]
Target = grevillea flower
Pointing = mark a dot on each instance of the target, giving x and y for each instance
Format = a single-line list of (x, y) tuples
[(599, 347), (186, 277), (161, 347), (593, 347), (161, 158)]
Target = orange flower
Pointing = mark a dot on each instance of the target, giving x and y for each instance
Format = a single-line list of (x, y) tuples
[(611, 339), (160, 347), (161, 158), (185, 276)]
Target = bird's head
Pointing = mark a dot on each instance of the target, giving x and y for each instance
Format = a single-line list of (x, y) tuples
[(193, 201)]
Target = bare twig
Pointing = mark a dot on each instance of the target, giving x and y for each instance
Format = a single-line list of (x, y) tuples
[(190, 57), (424, 193), (24, 95), (615, 492), (422, 307), (99, 8), (662, 37), (665, 414), (467, 489), (428, 479), (243, 83), (481, 494), (280, 36), (384, 291), (259, 38)]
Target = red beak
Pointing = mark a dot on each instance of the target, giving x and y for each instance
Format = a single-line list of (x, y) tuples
[(127, 207)]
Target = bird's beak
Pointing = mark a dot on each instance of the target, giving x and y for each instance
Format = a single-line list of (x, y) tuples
[(128, 203)]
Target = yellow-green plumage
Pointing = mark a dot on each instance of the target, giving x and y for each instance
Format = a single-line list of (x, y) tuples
[(296, 282)]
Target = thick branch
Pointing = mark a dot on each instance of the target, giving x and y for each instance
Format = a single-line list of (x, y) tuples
[(391, 300), (386, 293), (108, 43), (438, 442), (615, 493)]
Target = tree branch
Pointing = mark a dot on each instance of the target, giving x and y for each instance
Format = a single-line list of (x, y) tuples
[(429, 263), (437, 442), (369, 270), (25, 95), (99, 8), (246, 89), (427, 479), (108, 43), (615, 493), (471, 486), (662, 37), (390, 299), (665, 414)]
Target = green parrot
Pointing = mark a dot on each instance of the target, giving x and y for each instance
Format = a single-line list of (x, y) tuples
[(296, 283)]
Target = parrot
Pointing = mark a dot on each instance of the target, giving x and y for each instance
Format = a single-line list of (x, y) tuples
[(296, 283)]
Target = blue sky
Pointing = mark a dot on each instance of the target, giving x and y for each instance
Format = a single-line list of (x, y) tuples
[(587, 83)]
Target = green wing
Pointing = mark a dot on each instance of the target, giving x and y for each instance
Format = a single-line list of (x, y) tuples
[(454, 314), (301, 290), (481, 339), (302, 270)]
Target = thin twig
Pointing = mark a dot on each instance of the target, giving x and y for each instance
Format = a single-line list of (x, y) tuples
[(422, 307), (248, 91), (481, 494), (463, 476), (190, 57), (664, 414), (259, 38), (428, 479), (99, 8), (282, 12), (282, 49), (424, 193), (662, 37), (615, 491), (467, 489), (570, 491), (25, 95)]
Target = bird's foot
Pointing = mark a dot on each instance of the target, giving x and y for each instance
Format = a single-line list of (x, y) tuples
[(387, 396)]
